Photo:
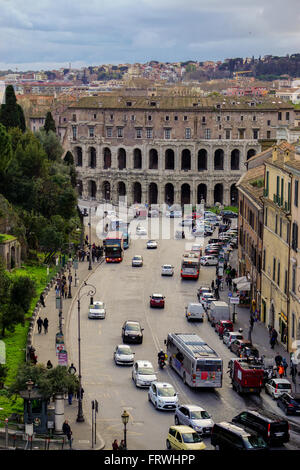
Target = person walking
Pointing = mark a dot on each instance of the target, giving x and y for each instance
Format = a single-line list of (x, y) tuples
[(67, 432), (72, 369), (46, 323), (122, 445), (281, 371), (285, 365), (115, 445), (40, 325), (66, 290), (70, 396), (212, 285), (42, 300)]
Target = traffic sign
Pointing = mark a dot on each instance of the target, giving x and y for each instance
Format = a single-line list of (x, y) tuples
[(235, 300), (229, 294)]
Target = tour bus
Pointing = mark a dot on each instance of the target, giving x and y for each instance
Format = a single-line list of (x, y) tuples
[(190, 268), (113, 247), (196, 362)]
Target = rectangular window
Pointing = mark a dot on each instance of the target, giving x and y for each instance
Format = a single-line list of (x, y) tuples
[(280, 227), (264, 260), (293, 325), (91, 132), (268, 134), (287, 116), (218, 118), (109, 132), (266, 216), (95, 116), (74, 131), (132, 117), (294, 278), (185, 118), (289, 196), (139, 133), (274, 268), (295, 236), (74, 118), (254, 118), (255, 134), (268, 122), (203, 119), (288, 232), (278, 274), (296, 193), (267, 184), (227, 118), (167, 118), (285, 282), (175, 118), (111, 116), (167, 133), (149, 118), (241, 133), (188, 133), (279, 116), (227, 134), (282, 190), (276, 222), (120, 132), (149, 133), (242, 118), (277, 187), (207, 133)]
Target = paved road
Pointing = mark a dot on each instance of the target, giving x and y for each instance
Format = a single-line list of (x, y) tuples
[(126, 290)]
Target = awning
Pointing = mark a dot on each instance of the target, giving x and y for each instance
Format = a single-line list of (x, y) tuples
[(239, 279), (244, 286)]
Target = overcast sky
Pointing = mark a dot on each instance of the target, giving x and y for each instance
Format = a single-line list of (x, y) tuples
[(48, 34)]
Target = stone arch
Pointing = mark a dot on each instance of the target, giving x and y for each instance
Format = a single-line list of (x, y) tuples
[(137, 159), (201, 193), (251, 153), (137, 192), (121, 159), (106, 191), (78, 156), (92, 188), (121, 190), (234, 195), (235, 160), (92, 157), (185, 194), (218, 193), (153, 159), (169, 194), (169, 159), (219, 160), (186, 159), (202, 160), (152, 193), (106, 158)]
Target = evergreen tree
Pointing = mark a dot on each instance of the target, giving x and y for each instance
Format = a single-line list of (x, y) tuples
[(68, 158), (5, 149), (49, 123), (11, 113)]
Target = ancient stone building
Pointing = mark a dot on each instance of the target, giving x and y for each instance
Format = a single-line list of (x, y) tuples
[(166, 149)]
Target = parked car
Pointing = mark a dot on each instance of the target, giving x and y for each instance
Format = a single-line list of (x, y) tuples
[(229, 336), (209, 260), (143, 373), (194, 311), (222, 325), (163, 396), (229, 214), (184, 438), (227, 436), (97, 310), (167, 270), (201, 290), (206, 298), (132, 332), (276, 387), (271, 427), (157, 300), (151, 244), (137, 261), (237, 345), (195, 417), (123, 355), (289, 403)]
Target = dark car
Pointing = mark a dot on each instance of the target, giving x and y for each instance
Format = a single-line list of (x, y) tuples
[(249, 351), (223, 228), (273, 428), (215, 240), (289, 403), (237, 345), (132, 332), (229, 214), (227, 436)]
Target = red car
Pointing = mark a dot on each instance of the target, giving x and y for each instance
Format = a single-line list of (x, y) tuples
[(157, 300), (221, 325)]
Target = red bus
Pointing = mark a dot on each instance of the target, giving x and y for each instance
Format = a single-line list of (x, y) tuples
[(190, 268), (113, 247)]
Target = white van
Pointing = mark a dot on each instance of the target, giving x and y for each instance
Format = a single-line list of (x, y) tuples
[(219, 310), (194, 311)]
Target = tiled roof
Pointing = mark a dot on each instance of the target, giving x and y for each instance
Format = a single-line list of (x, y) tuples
[(249, 177)]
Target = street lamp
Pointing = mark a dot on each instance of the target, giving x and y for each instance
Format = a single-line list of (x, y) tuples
[(91, 292), (125, 419), (29, 425)]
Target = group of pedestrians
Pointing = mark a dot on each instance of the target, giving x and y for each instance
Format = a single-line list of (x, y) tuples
[(96, 253), (281, 366), (62, 285), (116, 446), (42, 323)]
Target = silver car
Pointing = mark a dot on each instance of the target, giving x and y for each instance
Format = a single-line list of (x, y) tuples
[(195, 417), (123, 355), (137, 261), (143, 374), (97, 310)]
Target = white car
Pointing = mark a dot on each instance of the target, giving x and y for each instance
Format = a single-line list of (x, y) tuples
[(206, 298), (209, 260), (167, 270), (143, 374), (229, 336), (151, 244), (195, 417), (276, 387), (163, 396), (137, 261), (141, 230), (97, 310), (123, 355)]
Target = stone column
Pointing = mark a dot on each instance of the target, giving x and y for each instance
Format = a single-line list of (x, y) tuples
[(114, 158), (59, 412)]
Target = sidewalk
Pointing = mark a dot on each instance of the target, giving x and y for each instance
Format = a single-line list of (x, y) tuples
[(45, 350)]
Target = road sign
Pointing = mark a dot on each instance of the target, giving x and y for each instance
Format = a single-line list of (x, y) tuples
[(229, 294), (235, 300)]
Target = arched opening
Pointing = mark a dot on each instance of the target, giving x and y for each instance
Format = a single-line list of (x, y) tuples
[(12, 257), (153, 193), (202, 160), (121, 190), (185, 194), (186, 160), (218, 193), (235, 160), (137, 192), (137, 159), (169, 194), (169, 159), (201, 193), (233, 195), (121, 159), (251, 153), (153, 159), (92, 157), (106, 190), (219, 160), (92, 189), (78, 154), (106, 158), (79, 187)]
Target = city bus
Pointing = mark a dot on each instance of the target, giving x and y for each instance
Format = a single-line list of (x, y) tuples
[(126, 238), (190, 267), (197, 363), (113, 247)]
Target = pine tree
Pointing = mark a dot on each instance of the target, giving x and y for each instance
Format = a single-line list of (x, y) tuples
[(68, 158), (11, 113), (49, 123)]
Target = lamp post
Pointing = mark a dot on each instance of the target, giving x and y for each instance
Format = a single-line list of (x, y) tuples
[(29, 430), (125, 419), (91, 292), (90, 239)]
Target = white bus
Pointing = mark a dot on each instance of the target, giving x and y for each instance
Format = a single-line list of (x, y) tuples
[(196, 362)]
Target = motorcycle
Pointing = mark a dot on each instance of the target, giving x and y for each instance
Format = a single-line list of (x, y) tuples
[(162, 361)]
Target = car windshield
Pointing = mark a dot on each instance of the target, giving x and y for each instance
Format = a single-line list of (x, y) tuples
[(98, 306), (157, 297), (166, 392), (125, 351), (137, 258), (199, 415), (132, 327), (191, 437), (146, 370), (284, 386), (167, 266), (254, 442)]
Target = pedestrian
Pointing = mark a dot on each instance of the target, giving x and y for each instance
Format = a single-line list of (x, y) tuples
[(212, 285), (66, 290), (272, 341), (251, 321), (68, 432), (115, 445), (281, 371), (79, 394), (217, 293), (270, 328), (285, 365), (49, 365), (40, 325), (122, 445), (230, 283), (46, 323), (57, 290), (42, 300), (278, 360), (70, 396), (72, 369)]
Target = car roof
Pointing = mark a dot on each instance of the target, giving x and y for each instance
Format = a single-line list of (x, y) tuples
[(234, 428), (136, 322), (97, 302), (157, 295), (163, 384), (282, 381), (124, 346), (182, 428), (140, 362), (137, 256), (193, 407), (268, 415)]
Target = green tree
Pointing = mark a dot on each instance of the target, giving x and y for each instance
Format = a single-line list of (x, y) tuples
[(5, 149), (51, 144), (11, 113), (68, 158), (22, 292), (49, 123)]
